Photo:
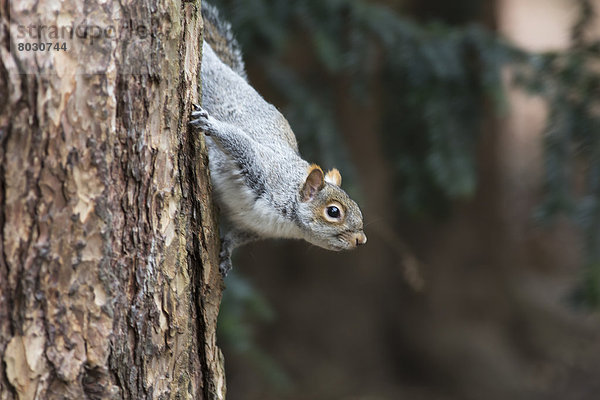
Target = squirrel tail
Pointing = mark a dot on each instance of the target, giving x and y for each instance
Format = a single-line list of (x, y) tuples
[(218, 34)]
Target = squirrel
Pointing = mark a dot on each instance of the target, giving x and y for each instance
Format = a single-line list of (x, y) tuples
[(263, 187)]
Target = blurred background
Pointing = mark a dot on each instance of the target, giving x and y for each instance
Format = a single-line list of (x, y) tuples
[(469, 133)]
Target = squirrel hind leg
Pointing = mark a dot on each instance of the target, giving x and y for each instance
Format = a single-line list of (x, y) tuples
[(231, 240), (225, 264)]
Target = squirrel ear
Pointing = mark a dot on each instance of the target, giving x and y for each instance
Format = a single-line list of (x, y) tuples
[(313, 184), (333, 176)]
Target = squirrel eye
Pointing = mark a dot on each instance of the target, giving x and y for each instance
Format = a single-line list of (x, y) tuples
[(333, 212)]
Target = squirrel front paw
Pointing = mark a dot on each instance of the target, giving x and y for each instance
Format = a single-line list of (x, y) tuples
[(201, 119)]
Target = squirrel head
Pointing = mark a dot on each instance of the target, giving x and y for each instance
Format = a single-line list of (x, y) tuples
[(331, 217)]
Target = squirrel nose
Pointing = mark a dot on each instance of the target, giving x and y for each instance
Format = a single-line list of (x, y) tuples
[(360, 238)]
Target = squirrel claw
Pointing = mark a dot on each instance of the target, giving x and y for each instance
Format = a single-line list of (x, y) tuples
[(196, 107), (200, 114)]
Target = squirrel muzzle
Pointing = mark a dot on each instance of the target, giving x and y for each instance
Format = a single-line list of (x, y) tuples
[(358, 239)]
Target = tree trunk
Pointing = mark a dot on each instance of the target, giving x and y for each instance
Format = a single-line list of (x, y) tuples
[(109, 282)]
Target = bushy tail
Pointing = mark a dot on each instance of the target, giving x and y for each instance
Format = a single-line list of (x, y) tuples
[(218, 34)]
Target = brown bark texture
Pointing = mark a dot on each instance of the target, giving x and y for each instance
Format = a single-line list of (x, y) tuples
[(109, 282)]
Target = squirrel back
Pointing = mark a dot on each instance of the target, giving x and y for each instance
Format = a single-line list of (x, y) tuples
[(228, 97)]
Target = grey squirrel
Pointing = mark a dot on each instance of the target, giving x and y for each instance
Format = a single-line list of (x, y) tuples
[(264, 188)]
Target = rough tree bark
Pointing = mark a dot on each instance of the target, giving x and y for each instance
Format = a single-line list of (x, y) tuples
[(109, 285)]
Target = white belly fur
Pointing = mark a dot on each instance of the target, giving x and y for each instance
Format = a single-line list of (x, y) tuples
[(239, 204)]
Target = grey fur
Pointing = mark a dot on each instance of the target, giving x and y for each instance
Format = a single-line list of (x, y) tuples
[(222, 30), (257, 172)]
